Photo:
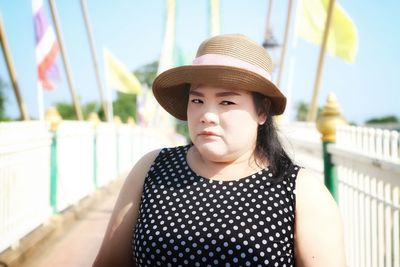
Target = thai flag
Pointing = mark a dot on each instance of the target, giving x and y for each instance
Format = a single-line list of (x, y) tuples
[(46, 47)]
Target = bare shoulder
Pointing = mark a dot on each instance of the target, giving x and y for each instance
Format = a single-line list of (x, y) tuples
[(116, 249), (133, 184), (139, 171), (308, 182), (319, 230)]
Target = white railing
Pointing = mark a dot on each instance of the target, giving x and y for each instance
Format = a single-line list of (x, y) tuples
[(24, 179), (106, 146), (125, 146), (25, 167), (368, 166), (75, 162)]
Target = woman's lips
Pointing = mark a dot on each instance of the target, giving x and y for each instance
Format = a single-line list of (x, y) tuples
[(207, 133)]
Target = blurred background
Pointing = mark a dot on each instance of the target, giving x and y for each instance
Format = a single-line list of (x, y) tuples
[(77, 110), (133, 32)]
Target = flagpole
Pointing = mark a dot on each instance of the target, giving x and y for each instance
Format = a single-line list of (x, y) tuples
[(75, 99), (110, 111), (214, 13), (40, 101), (292, 65), (267, 33), (312, 113), (285, 41), (94, 58), (108, 92), (166, 58), (11, 72)]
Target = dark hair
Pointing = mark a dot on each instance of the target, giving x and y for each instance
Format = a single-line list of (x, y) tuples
[(268, 146)]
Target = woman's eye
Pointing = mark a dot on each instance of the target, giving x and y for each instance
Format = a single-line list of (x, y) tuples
[(196, 101), (226, 103)]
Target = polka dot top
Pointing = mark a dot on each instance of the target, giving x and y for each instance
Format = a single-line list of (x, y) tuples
[(188, 220)]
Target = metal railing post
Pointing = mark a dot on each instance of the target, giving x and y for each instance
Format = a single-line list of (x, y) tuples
[(95, 120), (54, 119)]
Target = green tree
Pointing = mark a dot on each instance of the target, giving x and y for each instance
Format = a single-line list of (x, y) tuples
[(385, 119), (95, 107), (125, 106), (66, 110), (147, 73), (301, 111)]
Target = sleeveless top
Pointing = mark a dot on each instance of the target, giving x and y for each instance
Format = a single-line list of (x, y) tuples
[(188, 220)]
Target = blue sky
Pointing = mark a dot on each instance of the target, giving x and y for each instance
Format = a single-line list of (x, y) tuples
[(133, 31)]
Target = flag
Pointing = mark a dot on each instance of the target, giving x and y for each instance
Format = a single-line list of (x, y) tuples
[(342, 39), (167, 53), (47, 47), (214, 12), (119, 77)]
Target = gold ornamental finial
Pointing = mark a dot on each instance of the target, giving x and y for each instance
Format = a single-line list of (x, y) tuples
[(329, 118), (94, 118), (53, 117), (131, 121), (117, 120)]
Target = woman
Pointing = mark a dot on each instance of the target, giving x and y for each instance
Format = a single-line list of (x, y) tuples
[(233, 196)]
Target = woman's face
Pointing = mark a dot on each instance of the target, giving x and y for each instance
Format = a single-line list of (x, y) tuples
[(222, 122)]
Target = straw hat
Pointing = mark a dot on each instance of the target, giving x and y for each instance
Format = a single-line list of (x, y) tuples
[(231, 61)]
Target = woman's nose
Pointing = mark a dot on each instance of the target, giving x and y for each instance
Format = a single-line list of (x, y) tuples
[(209, 116)]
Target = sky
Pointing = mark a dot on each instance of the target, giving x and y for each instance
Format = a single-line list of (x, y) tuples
[(133, 32)]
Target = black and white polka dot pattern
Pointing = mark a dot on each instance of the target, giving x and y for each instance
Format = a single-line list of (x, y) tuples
[(188, 220)]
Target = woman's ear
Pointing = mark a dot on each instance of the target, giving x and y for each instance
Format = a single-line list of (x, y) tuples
[(262, 118)]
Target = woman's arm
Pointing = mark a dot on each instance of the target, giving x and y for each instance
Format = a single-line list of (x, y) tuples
[(319, 229), (116, 249)]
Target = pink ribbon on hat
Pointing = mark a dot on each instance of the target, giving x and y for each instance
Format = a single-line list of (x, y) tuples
[(218, 59)]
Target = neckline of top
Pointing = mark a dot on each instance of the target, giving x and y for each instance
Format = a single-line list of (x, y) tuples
[(261, 173)]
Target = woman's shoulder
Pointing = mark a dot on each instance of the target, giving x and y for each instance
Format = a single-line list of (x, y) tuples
[(307, 177), (314, 202), (310, 187), (144, 163), (138, 173)]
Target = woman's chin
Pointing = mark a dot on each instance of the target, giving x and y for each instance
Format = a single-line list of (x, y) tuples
[(212, 151)]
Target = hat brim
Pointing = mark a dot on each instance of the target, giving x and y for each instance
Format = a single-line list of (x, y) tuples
[(171, 88)]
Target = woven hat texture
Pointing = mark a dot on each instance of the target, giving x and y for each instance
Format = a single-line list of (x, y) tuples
[(230, 61)]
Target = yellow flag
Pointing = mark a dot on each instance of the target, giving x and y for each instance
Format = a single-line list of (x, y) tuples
[(119, 77), (342, 39)]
